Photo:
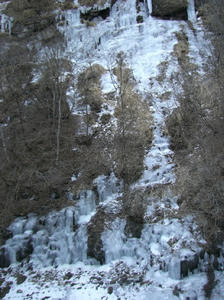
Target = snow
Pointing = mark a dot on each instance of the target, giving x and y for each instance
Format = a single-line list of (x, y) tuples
[(107, 83), (88, 283)]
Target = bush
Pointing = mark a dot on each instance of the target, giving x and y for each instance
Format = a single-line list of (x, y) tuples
[(196, 128), (35, 155)]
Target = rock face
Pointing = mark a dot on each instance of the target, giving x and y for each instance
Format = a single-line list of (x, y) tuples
[(4, 258), (31, 16), (134, 209), (94, 13), (95, 229), (27, 27), (92, 2), (189, 265), (170, 9)]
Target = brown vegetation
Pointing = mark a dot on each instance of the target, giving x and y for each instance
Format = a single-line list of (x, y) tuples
[(125, 144), (37, 134), (92, 2), (31, 16), (196, 128), (133, 133)]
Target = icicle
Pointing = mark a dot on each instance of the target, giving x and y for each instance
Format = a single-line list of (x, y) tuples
[(174, 268), (113, 241), (191, 11), (10, 26), (107, 187), (2, 23), (149, 6)]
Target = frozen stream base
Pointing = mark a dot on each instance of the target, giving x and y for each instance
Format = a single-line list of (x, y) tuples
[(165, 262)]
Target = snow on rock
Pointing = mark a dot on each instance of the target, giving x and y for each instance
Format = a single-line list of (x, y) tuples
[(166, 243)]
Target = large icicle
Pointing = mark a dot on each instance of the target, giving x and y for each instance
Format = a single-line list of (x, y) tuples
[(191, 11)]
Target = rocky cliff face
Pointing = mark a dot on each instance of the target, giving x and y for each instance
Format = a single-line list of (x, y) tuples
[(170, 9)]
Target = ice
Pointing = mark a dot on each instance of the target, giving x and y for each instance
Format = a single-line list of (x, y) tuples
[(174, 268), (60, 238), (155, 249), (191, 11), (6, 22), (86, 204), (113, 241), (149, 2), (107, 83), (31, 223), (17, 227), (107, 187)]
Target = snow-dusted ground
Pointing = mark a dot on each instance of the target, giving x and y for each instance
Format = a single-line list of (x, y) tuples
[(142, 268)]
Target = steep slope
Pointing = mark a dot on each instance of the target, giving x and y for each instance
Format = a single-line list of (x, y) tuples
[(124, 237)]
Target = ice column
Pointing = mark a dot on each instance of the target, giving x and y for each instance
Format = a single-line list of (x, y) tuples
[(149, 6), (191, 11), (2, 18)]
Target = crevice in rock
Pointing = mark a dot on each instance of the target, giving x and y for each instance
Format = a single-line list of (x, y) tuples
[(133, 227), (93, 13)]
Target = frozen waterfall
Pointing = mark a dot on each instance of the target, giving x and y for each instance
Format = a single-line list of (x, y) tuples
[(169, 247)]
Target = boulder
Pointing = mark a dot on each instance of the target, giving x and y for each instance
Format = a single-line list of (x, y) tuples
[(134, 206), (170, 9), (24, 251), (133, 227), (99, 222), (189, 265), (92, 2), (25, 27), (4, 258), (4, 235), (95, 13), (95, 229), (48, 33)]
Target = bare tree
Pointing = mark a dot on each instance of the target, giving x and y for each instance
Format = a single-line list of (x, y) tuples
[(133, 133)]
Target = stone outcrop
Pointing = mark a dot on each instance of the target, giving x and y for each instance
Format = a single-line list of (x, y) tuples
[(134, 210), (95, 228), (92, 2), (26, 27), (30, 17), (189, 265), (170, 9), (24, 251), (95, 13), (4, 258)]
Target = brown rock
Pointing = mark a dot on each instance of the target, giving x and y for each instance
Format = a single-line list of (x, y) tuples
[(110, 290), (170, 9)]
